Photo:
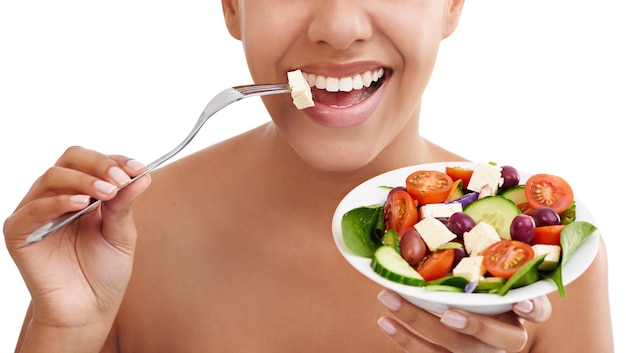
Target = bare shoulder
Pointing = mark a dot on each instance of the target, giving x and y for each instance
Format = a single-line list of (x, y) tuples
[(582, 321)]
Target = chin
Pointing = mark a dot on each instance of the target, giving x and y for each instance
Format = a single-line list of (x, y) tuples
[(337, 158)]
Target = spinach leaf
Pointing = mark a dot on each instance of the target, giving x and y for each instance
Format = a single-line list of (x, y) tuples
[(525, 275), (572, 236), (361, 228)]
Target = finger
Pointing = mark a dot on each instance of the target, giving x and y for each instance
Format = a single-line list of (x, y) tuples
[(63, 180), (405, 339), (131, 166), (59, 180), (430, 327), (505, 331), (113, 169), (36, 213), (534, 310)]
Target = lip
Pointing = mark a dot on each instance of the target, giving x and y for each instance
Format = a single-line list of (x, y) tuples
[(338, 117)]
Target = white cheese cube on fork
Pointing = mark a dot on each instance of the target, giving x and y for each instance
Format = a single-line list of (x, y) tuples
[(300, 90)]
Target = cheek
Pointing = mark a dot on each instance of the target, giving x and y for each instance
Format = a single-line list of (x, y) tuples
[(265, 42)]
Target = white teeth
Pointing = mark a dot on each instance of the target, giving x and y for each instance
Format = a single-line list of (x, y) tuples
[(344, 84), (332, 84), (367, 79), (357, 82)]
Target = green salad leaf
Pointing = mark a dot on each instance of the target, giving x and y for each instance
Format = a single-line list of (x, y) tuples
[(572, 236), (525, 275), (361, 228)]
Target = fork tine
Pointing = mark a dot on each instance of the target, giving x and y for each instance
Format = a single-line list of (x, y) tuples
[(262, 89)]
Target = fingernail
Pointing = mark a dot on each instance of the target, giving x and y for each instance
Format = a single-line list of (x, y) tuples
[(390, 301), (135, 165), (454, 320), (80, 199), (386, 326), (118, 175), (525, 306), (104, 187)]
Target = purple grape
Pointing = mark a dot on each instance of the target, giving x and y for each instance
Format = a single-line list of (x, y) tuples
[(412, 247), (523, 228), (458, 254), (511, 177), (459, 223), (545, 216)]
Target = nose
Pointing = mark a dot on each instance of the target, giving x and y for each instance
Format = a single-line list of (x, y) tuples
[(340, 23)]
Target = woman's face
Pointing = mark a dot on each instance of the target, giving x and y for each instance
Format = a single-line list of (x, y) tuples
[(368, 62)]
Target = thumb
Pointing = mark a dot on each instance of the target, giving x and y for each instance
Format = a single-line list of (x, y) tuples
[(118, 226)]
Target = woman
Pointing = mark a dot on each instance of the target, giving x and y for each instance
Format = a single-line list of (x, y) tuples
[(229, 249)]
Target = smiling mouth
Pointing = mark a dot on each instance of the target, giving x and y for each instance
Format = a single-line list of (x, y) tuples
[(344, 92)]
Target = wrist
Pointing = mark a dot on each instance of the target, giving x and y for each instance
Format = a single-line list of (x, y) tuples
[(47, 338)]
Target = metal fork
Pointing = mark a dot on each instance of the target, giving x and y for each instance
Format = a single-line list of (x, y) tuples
[(221, 100)]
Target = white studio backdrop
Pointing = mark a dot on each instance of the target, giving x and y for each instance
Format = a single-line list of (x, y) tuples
[(536, 84)]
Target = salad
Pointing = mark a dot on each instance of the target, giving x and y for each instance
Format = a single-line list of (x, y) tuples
[(467, 229)]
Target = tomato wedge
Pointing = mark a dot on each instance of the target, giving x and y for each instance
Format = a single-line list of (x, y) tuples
[(503, 258), (436, 264), (550, 235), (525, 208), (429, 186), (548, 190), (460, 173), (400, 211)]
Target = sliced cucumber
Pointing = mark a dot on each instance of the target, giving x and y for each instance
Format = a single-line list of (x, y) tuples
[(497, 211), (490, 285), (389, 264), (515, 194), (391, 238)]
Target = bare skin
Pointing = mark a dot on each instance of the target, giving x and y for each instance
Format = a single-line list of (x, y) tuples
[(204, 280), (230, 250)]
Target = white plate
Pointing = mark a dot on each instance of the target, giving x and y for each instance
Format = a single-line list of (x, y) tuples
[(370, 192)]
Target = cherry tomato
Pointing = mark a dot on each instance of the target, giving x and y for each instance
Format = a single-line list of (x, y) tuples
[(460, 173), (550, 235), (503, 258), (436, 265), (429, 186), (550, 191), (400, 211), (525, 208)]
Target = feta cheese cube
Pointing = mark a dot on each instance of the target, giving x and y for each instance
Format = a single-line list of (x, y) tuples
[(553, 256), (486, 174), (479, 238), (471, 268), (440, 210), (300, 90), (434, 232)]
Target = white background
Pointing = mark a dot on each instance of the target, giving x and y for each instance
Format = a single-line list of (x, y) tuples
[(535, 84)]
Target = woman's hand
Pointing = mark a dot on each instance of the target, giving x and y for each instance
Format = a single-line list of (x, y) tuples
[(458, 330), (78, 275)]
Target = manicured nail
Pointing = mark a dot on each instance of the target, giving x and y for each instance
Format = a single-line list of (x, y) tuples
[(135, 165), (104, 187), (118, 175), (389, 300), (525, 306), (386, 326), (80, 199), (454, 320)]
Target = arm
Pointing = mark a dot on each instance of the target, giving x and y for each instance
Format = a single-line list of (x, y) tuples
[(582, 321)]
